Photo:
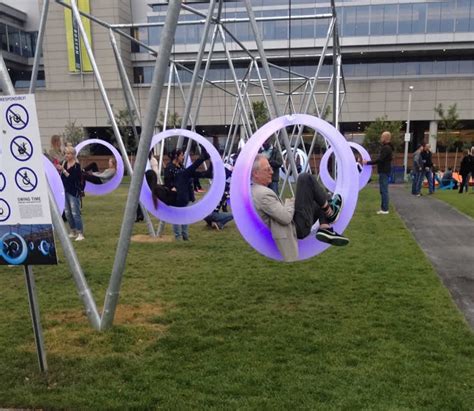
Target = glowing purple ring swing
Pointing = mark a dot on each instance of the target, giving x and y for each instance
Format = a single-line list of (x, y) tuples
[(251, 227), (364, 175), (203, 207), (54, 180), (114, 182)]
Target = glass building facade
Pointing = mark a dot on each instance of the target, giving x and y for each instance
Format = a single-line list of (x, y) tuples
[(376, 22), (17, 41)]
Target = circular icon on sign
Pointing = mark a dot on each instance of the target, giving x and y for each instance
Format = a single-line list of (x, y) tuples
[(3, 181), (4, 210), (26, 179), (17, 116), (21, 148)]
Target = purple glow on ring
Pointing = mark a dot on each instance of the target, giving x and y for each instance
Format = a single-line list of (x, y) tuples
[(54, 180), (114, 182), (364, 175), (203, 207), (251, 227)]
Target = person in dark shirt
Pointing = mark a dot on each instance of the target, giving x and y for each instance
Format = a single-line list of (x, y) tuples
[(384, 168), (467, 165), (70, 170), (180, 179), (426, 158)]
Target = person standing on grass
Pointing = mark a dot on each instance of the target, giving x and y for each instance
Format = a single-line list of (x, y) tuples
[(426, 157), (417, 172), (70, 171), (56, 152), (467, 165), (384, 168), (179, 179)]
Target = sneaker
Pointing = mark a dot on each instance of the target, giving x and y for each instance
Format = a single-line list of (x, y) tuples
[(80, 237), (336, 205), (72, 234), (329, 236), (382, 212)]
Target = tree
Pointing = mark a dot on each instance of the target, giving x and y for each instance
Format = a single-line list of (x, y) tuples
[(260, 113), (73, 134), (124, 124), (173, 120), (449, 123), (377, 127)]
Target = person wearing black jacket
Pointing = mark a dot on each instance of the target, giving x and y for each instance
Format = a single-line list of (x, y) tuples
[(426, 158), (467, 166), (180, 179), (384, 168)]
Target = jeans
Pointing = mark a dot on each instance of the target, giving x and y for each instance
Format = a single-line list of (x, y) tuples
[(416, 183), (383, 185), (181, 230), (72, 208), (429, 176), (464, 183), (220, 218), (274, 186)]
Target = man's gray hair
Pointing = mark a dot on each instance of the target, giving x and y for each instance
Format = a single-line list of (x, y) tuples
[(256, 164)]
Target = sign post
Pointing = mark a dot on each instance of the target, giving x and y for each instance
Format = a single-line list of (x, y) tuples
[(26, 231), (35, 318)]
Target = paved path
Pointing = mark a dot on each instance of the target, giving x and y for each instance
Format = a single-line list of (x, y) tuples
[(447, 238)]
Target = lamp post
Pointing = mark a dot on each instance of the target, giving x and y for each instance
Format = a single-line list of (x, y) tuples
[(407, 135)]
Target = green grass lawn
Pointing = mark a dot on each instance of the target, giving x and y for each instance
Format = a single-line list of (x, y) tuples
[(210, 323), (462, 202)]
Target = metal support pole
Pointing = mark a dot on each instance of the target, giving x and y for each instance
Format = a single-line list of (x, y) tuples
[(197, 67), (35, 318), (407, 136), (100, 84), (5, 80), (159, 75), (39, 47), (271, 86), (82, 287), (132, 108)]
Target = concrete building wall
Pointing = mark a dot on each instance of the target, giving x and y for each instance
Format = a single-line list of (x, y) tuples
[(74, 97)]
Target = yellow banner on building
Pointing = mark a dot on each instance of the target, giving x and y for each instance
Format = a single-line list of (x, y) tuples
[(76, 52)]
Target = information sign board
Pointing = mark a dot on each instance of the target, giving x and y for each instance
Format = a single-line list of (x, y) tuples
[(26, 231)]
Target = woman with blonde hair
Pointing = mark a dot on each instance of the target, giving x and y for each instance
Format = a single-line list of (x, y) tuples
[(70, 171), (56, 152)]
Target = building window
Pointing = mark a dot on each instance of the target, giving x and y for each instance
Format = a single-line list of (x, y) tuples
[(14, 45), (3, 36)]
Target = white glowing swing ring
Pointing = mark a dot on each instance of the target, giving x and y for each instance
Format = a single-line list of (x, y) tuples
[(114, 182), (202, 208), (364, 175), (251, 227), (55, 182), (301, 155)]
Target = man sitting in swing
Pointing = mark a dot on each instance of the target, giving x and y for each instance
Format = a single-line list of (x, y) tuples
[(293, 219)]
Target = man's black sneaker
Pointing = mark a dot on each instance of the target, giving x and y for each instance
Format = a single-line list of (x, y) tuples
[(336, 205), (329, 236)]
